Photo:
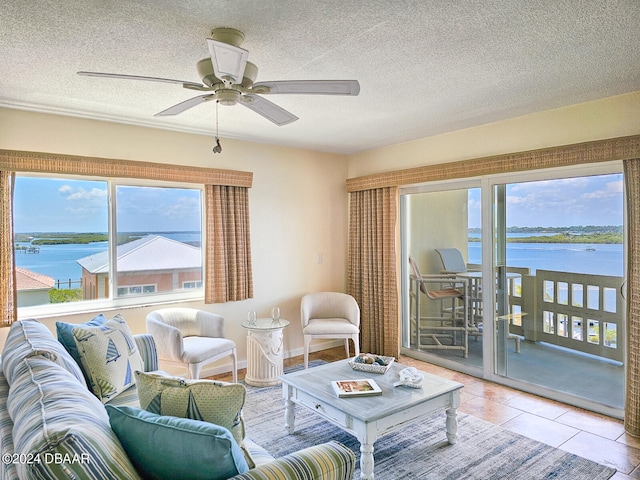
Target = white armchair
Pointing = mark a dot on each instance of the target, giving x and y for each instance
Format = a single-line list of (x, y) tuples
[(330, 315), (191, 337)]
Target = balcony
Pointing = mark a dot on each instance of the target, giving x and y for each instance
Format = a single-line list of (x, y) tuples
[(564, 331)]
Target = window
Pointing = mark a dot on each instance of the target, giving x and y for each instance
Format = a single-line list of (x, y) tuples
[(96, 240), (136, 290)]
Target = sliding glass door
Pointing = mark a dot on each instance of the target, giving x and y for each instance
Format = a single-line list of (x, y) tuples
[(536, 300), (442, 251), (559, 253)]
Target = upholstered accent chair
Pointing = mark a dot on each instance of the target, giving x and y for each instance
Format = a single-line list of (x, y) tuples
[(191, 337), (330, 315)]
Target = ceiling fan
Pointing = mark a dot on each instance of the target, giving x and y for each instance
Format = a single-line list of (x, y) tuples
[(228, 78)]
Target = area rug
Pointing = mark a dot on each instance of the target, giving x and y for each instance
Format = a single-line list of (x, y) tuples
[(483, 450)]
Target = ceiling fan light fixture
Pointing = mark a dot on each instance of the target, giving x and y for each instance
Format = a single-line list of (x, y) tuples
[(228, 78), (227, 96), (228, 60)]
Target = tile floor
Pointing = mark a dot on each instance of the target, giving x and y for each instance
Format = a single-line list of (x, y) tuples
[(578, 431)]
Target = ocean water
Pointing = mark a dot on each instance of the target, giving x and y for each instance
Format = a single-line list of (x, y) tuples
[(599, 259), (60, 261)]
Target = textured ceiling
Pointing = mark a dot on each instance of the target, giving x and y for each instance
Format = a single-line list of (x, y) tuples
[(425, 67)]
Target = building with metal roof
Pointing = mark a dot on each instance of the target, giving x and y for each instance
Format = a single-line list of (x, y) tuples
[(151, 264)]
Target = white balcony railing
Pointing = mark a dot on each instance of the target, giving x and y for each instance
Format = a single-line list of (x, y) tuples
[(576, 311)]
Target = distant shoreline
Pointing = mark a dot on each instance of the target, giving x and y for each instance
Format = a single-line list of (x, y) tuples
[(73, 238), (582, 235), (593, 238)]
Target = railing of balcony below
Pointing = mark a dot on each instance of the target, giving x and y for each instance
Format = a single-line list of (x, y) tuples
[(577, 311), (581, 312)]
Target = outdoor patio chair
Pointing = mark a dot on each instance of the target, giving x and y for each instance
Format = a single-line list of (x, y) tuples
[(430, 330), (452, 261)]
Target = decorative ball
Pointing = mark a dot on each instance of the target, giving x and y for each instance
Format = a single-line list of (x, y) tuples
[(380, 361)]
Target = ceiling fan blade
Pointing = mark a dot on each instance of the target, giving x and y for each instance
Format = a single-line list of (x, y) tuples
[(309, 87), (228, 60), (268, 110), (137, 77), (186, 105)]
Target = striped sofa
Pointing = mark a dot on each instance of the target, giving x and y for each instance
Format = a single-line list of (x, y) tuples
[(53, 427)]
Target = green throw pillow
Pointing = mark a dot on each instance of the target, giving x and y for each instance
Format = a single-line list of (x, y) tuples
[(164, 447), (207, 400), (109, 356)]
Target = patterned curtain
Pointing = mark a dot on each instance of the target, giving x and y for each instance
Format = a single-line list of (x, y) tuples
[(8, 300), (632, 408), (228, 253), (371, 273)]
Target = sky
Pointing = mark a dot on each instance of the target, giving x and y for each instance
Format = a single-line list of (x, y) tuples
[(63, 205), (595, 200)]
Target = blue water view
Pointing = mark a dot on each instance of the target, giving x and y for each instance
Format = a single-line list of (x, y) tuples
[(598, 259), (60, 261)]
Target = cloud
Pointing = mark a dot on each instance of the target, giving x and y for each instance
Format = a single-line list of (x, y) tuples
[(85, 204), (184, 207), (594, 200), (80, 193), (158, 209), (610, 190)]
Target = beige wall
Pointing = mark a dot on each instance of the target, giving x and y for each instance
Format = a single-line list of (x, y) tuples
[(298, 207), (608, 118)]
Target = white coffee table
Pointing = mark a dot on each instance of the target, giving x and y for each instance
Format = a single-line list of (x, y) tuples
[(265, 351), (368, 418)]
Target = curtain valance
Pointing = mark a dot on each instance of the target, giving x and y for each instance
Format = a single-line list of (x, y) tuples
[(622, 148), (38, 162)]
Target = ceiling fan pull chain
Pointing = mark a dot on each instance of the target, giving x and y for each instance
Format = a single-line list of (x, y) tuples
[(217, 147)]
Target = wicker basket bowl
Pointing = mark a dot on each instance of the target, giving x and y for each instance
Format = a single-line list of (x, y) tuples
[(372, 367)]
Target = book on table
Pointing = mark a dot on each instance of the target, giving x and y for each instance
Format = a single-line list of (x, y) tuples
[(356, 388)]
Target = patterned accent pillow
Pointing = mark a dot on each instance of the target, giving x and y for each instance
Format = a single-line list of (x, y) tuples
[(65, 337), (207, 400), (109, 356)]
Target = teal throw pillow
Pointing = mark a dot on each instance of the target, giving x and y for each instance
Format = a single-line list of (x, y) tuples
[(165, 447), (65, 337)]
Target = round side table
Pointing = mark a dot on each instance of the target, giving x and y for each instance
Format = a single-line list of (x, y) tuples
[(265, 351)]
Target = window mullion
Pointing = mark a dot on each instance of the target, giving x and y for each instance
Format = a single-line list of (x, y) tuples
[(113, 239)]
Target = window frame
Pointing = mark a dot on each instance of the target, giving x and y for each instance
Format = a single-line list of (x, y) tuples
[(126, 301)]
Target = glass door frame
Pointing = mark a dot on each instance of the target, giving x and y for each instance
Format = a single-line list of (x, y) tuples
[(431, 187), (488, 260), (487, 184)]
